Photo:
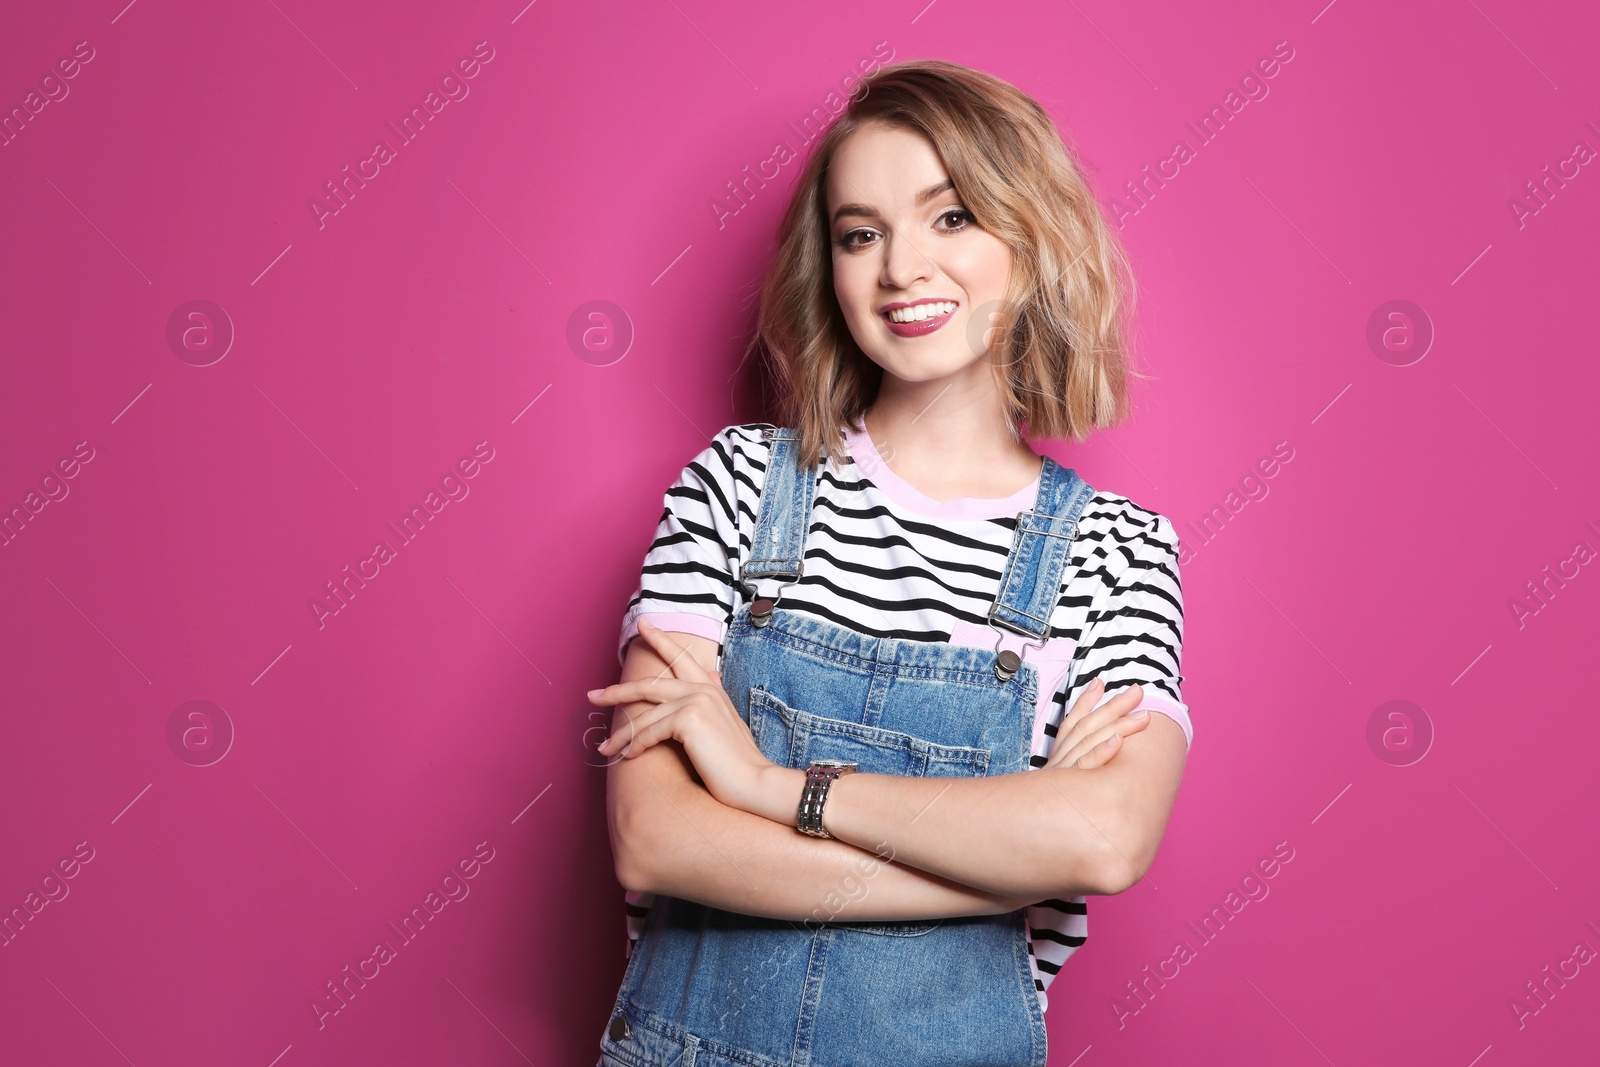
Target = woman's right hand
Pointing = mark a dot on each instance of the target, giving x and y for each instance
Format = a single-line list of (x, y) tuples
[(1092, 736)]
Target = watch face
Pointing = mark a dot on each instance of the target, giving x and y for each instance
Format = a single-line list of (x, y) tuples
[(832, 763)]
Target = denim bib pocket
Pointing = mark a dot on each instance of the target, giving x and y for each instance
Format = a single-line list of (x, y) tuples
[(791, 737)]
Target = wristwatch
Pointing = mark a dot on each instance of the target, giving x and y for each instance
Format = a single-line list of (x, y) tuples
[(820, 774)]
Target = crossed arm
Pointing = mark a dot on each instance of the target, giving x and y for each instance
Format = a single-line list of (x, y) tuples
[(930, 847)]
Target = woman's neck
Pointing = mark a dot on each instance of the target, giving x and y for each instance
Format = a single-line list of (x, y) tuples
[(948, 449)]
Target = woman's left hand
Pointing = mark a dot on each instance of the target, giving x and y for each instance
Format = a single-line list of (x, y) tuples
[(693, 708)]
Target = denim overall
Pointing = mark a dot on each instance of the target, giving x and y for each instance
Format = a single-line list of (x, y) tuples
[(706, 987)]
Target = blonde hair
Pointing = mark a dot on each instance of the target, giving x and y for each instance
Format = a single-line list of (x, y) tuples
[(1068, 312)]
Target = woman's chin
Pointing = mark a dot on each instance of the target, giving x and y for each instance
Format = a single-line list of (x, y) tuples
[(933, 367)]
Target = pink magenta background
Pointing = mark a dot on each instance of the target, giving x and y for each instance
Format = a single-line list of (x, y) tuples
[(443, 706)]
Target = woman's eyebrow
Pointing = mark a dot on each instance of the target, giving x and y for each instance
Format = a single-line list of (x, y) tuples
[(865, 211)]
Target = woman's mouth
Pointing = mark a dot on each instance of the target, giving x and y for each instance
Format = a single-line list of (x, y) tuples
[(919, 319)]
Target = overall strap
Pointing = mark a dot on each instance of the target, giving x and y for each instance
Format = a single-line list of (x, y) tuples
[(784, 517), (1030, 587)]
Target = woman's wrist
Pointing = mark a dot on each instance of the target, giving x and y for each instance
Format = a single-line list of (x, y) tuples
[(777, 794)]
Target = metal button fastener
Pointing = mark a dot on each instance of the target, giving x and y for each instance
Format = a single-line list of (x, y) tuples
[(1006, 665), (761, 611), (620, 1030)]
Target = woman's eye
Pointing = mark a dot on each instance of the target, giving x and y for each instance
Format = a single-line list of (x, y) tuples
[(960, 213), (848, 244)]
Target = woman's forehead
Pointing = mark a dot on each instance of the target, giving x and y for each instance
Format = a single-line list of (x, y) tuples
[(885, 168)]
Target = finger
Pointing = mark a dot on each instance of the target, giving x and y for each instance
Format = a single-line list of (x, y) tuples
[(1087, 699), (1089, 706), (1101, 745), (1075, 715), (628, 728), (643, 731), (1092, 728), (1114, 708), (655, 689), (1098, 755), (679, 659), (1084, 722)]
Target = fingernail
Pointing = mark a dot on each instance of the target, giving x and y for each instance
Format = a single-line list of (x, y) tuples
[(592, 692), (646, 622), (1142, 713)]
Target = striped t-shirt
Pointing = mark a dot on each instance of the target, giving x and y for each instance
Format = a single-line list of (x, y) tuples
[(884, 559)]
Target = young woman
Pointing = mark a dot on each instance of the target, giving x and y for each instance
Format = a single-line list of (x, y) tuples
[(865, 770)]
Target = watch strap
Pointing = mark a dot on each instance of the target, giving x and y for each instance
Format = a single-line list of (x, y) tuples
[(819, 779)]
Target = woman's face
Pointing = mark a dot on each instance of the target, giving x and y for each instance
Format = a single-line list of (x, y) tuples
[(901, 236)]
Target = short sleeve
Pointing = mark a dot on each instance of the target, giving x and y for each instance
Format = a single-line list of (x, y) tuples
[(687, 583), (1137, 637)]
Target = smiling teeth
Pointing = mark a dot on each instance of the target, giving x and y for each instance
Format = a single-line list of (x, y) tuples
[(922, 311)]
